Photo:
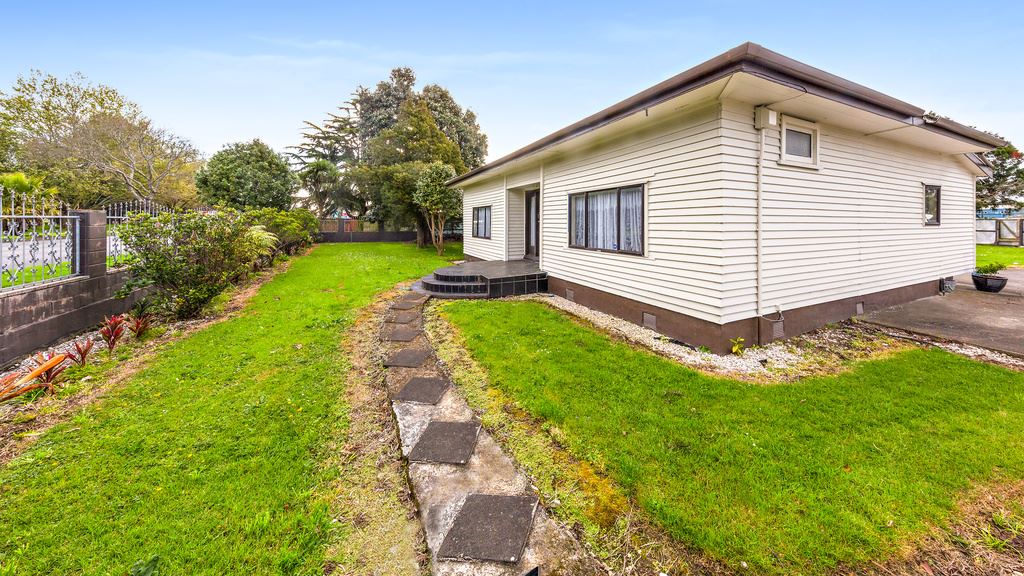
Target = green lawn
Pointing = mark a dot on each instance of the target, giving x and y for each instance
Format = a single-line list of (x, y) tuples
[(35, 274), (209, 457), (790, 478), (1009, 255)]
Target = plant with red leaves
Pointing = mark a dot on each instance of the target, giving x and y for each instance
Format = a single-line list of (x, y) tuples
[(139, 324), (81, 354), (49, 370), (112, 330)]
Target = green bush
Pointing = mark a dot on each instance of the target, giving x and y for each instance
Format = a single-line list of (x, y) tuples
[(294, 229), (990, 268), (191, 257)]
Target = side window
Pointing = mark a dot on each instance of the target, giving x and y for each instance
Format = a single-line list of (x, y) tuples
[(482, 222), (932, 205), (799, 143)]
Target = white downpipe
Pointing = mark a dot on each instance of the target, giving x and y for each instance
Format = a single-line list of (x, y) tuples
[(758, 232)]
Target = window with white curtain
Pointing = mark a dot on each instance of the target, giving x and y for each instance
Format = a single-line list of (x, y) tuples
[(608, 220), (482, 222)]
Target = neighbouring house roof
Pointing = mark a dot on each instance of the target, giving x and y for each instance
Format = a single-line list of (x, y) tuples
[(758, 61)]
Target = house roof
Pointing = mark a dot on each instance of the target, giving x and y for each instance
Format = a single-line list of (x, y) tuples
[(758, 61)]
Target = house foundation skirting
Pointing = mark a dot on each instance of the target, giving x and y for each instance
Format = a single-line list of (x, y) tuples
[(698, 332)]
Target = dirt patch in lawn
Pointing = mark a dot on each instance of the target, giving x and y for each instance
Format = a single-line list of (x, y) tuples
[(372, 492), (21, 422), (986, 536)]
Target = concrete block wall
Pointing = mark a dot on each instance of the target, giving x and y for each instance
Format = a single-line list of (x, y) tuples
[(36, 316)]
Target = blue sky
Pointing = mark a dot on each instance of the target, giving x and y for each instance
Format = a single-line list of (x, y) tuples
[(218, 72)]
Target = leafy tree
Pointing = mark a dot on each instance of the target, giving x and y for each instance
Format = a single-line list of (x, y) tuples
[(140, 156), (247, 174), (18, 187), (459, 125), (378, 109), (437, 201), (348, 138), (1006, 186), (90, 142), (396, 158), (322, 182)]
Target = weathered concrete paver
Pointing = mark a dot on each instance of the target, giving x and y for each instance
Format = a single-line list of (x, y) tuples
[(490, 527), (408, 358), (446, 442), (503, 520), (404, 317), (401, 333), (423, 390)]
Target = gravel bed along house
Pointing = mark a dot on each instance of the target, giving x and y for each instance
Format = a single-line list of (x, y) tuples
[(756, 360), (783, 359)]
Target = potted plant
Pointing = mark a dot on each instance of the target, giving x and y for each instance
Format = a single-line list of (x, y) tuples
[(987, 279)]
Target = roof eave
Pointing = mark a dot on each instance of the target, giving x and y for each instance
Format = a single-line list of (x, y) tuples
[(759, 61)]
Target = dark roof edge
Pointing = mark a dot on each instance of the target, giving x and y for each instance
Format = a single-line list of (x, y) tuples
[(754, 59), (981, 162)]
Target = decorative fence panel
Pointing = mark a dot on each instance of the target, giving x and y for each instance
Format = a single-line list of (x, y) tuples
[(117, 215), (38, 240)]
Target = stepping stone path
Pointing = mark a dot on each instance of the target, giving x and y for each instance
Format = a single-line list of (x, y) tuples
[(480, 514)]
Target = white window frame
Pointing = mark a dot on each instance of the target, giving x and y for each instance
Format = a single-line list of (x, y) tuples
[(938, 205), (806, 127)]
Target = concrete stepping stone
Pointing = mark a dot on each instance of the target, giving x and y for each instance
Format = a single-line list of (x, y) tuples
[(408, 358), (446, 443), (405, 317), (491, 528), (401, 333), (405, 305), (423, 390), (415, 297)]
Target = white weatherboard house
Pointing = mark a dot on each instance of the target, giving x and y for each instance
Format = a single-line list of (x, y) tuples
[(751, 197)]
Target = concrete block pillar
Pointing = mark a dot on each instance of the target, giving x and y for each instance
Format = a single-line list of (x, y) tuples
[(92, 242)]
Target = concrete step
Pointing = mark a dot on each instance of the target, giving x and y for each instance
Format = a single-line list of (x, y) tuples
[(434, 284), (420, 288)]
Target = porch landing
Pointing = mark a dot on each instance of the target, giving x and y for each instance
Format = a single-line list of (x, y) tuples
[(485, 279)]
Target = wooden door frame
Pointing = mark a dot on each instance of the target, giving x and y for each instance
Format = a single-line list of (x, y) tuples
[(534, 227)]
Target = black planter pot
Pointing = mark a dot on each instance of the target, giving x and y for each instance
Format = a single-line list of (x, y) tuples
[(988, 282)]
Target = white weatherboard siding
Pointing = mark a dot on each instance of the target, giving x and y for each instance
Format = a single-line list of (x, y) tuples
[(487, 193), (516, 225), (852, 227), (679, 161)]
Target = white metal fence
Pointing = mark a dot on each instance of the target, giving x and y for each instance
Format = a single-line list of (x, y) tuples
[(117, 215), (38, 239)]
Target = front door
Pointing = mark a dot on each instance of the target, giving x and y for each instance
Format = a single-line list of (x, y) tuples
[(532, 224)]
